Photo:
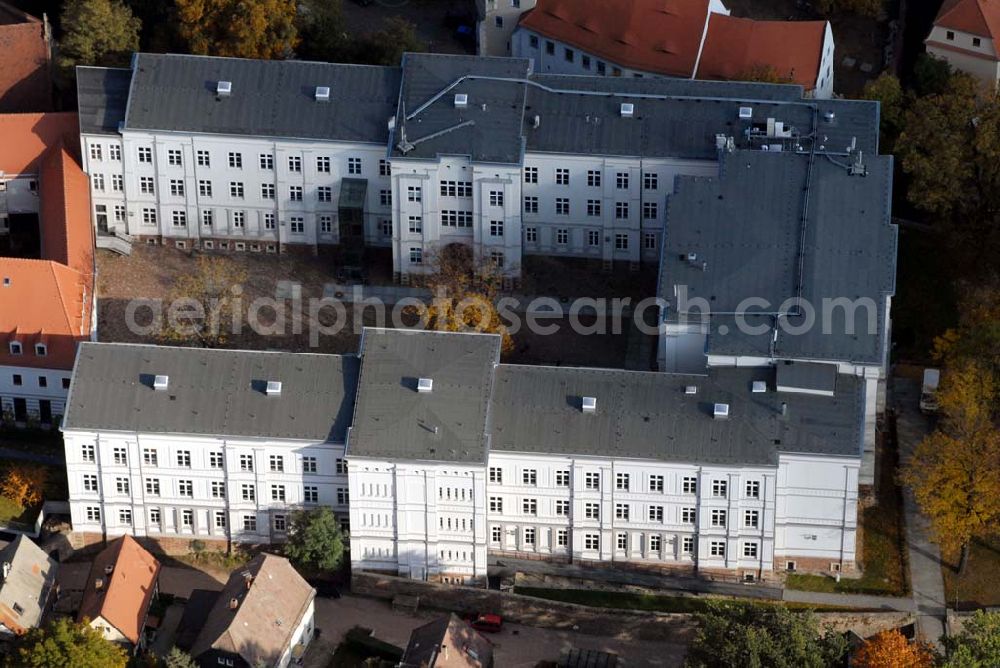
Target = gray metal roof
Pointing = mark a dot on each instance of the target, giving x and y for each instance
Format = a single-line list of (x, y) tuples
[(647, 415), (745, 228), (28, 584), (268, 99), (392, 420), (102, 93), (806, 377), (488, 128), (211, 392)]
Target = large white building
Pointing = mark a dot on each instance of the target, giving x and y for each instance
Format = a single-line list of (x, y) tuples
[(452, 457), (965, 35), (265, 156)]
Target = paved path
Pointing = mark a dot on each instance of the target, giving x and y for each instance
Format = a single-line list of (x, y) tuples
[(925, 558), (857, 601)]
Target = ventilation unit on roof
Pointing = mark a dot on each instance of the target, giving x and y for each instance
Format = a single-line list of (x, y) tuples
[(425, 384), (161, 382), (322, 93), (589, 405), (829, 116), (692, 258), (746, 113), (461, 100), (758, 386), (224, 88), (628, 110), (720, 411), (273, 388), (690, 389)]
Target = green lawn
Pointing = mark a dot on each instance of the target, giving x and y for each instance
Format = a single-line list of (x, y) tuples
[(14, 512), (883, 540), (979, 586), (645, 602)]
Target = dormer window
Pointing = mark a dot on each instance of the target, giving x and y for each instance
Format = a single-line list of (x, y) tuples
[(41, 350), (950, 36), (15, 348)]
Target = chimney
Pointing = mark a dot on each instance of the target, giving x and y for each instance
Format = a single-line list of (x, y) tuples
[(234, 603), (784, 408), (109, 569), (99, 584)]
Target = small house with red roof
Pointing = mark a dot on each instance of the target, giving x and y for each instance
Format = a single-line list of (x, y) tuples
[(965, 34), (47, 299), (691, 39)]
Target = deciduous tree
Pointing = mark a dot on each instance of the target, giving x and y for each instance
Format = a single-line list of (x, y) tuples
[(869, 8), (887, 90), (24, 484), (323, 33), (764, 74), (745, 635), (239, 28), (891, 649), (314, 541), (97, 32), (205, 306), (955, 471), (387, 45), (68, 644), (978, 645), (178, 658), (465, 294)]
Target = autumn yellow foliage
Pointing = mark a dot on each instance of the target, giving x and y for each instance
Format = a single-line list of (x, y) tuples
[(238, 28), (24, 484), (891, 649)]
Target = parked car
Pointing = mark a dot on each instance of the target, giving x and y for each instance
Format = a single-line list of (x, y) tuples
[(485, 623), (928, 392)]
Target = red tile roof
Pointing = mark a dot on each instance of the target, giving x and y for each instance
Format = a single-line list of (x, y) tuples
[(665, 37), (976, 17), (649, 35), (125, 594), (50, 300), (735, 46), (25, 74)]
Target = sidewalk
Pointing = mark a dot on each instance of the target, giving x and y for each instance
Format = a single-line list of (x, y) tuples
[(925, 558)]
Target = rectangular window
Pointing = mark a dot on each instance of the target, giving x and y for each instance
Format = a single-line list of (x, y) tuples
[(87, 453), (343, 497), (322, 164), (621, 210), (149, 216), (218, 490), (593, 238), (187, 518), (119, 213), (416, 256), (592, 511), (120, 457), (205, 188), (385, 227), (267, 191), (562, 478), (269, 221), (98, 182), (248, 492), (277, 493), (751, 519), (592, 480), (621, 180), (621, 542), (689, 485), (89, 483), (295, 193), (529, 536), (594, 178), (562, 508), (297, 224), (719, 488), (656, 514), (531, 235), (93, 514), (249, 522), (562, 538), (266, 161), (562, 206), (750, 550), (416, 224), (294, 163), (718, 518), (153, 486), (117, 183), (204, 159), (246, 462), (95, 152), (621, 511), (650, 181), (309, 465), (277, 463), (533, 41), (154, 516), (621, 481), (592, 541), (220, 520), (562, 177), (496, 198), (149, 456), (414, 194), (655, 543), (569, 55), (341, 467), (621, 241), (496, 228), (529, 477), (497, 258), (384, 168), (656, 483), (174, 157), (688, 515), (115, 152), (550, 48), (184, 458), (324, 194), (310, 494), (529, 506), (207, 217), (593, 207), (235, 160), (385, 197), (649, 210), (125, 517), (146, 186), (496, 475), (753, 489), (145, 154), (236, 189), (496, 535), (177, 187), (717, 548), (687, 545), (280, 522), (185, 488), (178, 218), (496, 504), (354, 165), (649, 240)]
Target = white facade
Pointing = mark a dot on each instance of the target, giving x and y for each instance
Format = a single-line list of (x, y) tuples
[(497, 22), (238, 192), (974, 54), (303, 634), (33, 391), (412, 520), (162, 485)]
